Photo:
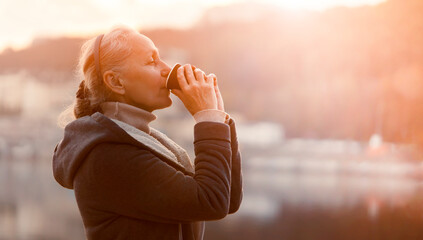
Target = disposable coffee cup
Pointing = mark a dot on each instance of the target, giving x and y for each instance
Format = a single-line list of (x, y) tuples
[(172, 80)]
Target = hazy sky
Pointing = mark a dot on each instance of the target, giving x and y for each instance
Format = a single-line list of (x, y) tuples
[(22, 20)]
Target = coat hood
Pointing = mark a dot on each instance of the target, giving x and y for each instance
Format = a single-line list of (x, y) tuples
[(80, 137)]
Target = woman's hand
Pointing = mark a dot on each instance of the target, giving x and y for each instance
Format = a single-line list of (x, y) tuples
[(197, 90), (220, 104)]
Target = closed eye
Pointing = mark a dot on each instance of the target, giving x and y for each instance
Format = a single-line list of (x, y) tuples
[(151, 61), (154, 60)]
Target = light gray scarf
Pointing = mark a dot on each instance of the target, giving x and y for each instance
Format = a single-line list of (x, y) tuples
[(135, 122)]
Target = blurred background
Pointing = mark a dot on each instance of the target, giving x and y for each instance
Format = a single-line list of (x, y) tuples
[(326, 95)]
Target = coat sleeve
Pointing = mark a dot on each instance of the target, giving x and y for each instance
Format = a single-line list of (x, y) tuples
[(236, 172), (130, 181)]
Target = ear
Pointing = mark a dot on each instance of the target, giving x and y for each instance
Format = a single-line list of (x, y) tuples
[(113, 82)]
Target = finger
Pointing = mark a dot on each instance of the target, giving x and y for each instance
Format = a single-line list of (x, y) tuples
[(177, 92), (209, 79), (217, 91), (199, 75), (181, 78), (214, 78), (189, 74)]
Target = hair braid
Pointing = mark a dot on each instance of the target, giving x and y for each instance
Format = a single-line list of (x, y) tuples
[(82, 102)]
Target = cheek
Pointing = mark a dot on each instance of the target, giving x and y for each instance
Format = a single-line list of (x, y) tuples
[(141, 90), (145, 84)]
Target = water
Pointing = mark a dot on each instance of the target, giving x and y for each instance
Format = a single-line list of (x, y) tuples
[(312, 190)]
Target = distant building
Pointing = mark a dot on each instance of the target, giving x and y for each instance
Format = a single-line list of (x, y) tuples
[(260, 134)]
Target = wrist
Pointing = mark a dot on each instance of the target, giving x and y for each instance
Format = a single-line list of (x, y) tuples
[(214, 115)]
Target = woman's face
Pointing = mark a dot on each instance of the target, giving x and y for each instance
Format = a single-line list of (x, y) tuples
[(144, 77)]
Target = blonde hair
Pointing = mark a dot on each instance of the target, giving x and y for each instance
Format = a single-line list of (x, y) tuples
[(115, 48)]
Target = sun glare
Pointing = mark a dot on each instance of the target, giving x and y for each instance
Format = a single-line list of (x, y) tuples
[(320, 4), (108, 4)]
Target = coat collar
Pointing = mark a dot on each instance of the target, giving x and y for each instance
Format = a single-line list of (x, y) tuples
[(138, 137), (147, 140)]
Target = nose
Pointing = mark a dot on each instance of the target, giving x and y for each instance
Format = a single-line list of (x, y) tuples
[(166, 70)]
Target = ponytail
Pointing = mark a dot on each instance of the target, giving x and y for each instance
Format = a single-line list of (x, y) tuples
[(82, 105)]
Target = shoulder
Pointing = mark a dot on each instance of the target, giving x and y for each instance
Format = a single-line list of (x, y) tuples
[(89, 132), (98, 125)]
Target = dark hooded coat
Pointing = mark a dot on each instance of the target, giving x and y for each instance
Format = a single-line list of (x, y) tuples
[(126, 190)]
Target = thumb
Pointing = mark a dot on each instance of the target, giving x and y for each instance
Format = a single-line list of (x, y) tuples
[(177, 92)]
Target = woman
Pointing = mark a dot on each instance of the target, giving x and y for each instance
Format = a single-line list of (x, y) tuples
[(130, 180)]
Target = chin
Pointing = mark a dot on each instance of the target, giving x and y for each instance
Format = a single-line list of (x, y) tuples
[(167, 103)]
